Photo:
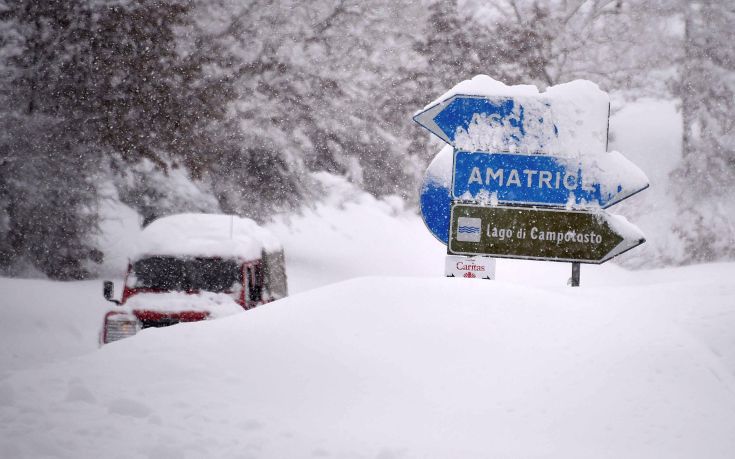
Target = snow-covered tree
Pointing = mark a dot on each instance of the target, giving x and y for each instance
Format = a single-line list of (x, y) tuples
[(48, 199), (705, 180), (152, 94), (616, 43), (47, 179), (104, 85), (309, 81)]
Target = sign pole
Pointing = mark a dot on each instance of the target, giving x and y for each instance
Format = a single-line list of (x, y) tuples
[(576, 268)]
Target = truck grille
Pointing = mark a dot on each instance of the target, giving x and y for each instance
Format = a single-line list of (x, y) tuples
[(119, 329)]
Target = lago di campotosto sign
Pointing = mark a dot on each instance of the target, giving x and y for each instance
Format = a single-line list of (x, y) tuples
[(540, 234)]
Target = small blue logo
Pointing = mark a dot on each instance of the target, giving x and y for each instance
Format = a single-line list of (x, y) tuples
[(469, 229)]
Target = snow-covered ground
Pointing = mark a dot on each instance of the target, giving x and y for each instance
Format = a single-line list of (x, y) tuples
[(376, 355), (44, 321), (333, 241), (629, 365), (404, 363)]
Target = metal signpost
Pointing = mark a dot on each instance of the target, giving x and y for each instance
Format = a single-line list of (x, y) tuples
[(533, 205)]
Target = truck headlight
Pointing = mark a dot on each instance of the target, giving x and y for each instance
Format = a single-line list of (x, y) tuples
[(119, 326)]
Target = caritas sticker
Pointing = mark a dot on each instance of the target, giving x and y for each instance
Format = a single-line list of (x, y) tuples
[(470, 267)]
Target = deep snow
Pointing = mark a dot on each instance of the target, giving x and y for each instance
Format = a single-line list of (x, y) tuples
[(333, 241), (631, 365), (44, 321), (404, 363)]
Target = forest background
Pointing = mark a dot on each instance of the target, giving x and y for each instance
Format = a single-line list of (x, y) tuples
[(239, 106)]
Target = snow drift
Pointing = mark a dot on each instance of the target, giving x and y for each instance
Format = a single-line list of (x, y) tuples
[(636, 366)]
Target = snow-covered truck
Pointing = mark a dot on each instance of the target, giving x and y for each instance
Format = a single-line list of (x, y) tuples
[(192, 267)]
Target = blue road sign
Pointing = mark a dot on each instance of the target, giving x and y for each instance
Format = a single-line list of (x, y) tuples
[(435, 196), (514, 122), (600, 180)]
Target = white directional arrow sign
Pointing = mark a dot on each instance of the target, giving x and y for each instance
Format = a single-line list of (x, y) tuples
[(513, 123), (530, 174), (597, 180), (540, 234)]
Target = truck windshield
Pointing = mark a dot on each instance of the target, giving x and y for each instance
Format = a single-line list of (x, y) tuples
[(183, 274)]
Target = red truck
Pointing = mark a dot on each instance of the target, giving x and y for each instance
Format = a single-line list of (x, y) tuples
[(191, 267)]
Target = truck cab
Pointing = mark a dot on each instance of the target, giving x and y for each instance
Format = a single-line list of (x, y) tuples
[(192, 267)]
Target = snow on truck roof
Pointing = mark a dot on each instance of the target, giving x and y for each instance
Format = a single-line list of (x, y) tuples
[(205, 235)]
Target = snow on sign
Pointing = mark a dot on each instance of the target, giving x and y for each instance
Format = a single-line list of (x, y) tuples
[(540, 234), (483, 114), (515, 146), (600, 180), (519, 124)]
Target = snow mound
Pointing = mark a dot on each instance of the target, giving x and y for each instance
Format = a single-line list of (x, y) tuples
[(43, 321), (205, 235), (406, 367)]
